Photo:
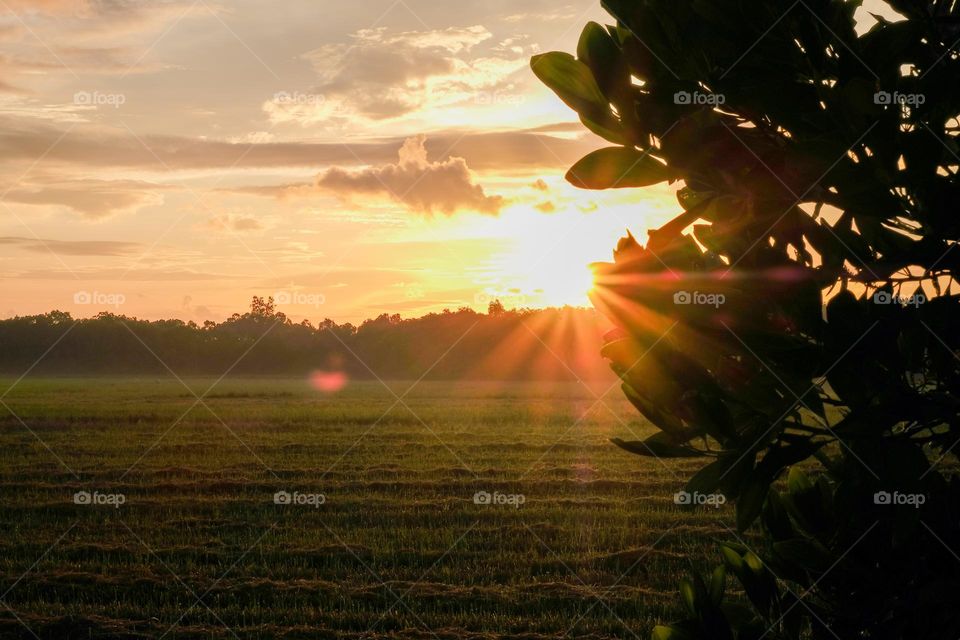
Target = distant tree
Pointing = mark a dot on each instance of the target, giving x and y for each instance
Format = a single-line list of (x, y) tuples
[(496, 308), (262, 306), (811, 313), (59, 317), (264, 341)]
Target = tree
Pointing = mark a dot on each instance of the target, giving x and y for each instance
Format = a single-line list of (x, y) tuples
[(263, 307), (496, 308), (801, 308)]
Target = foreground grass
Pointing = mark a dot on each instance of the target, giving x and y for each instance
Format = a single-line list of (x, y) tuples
[(199, 549)]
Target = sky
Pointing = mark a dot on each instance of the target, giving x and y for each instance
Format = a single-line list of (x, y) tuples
[(172, 159)]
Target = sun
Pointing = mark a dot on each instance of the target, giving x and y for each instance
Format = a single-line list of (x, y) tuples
[(526, 257), (551, 277), (546, 259)]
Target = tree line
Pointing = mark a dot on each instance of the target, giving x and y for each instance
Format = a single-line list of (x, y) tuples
[(545, 344)]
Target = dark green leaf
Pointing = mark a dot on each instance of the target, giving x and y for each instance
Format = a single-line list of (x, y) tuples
[(617, 168), (659, 445), (751, 500)]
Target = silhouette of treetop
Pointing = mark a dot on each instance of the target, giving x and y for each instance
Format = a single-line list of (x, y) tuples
[(802, 303)]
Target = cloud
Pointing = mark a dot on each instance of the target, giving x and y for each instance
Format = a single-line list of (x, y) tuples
[(47, 6), (542, 16), (425, 187), (93, 199), (540, 185), (72, 247), (380, 75), (16, 105), (94, 146), (66, 37), (546, 207), (127, 275), (234, 222)]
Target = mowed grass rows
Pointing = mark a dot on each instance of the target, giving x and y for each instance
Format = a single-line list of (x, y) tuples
[(199, 549)]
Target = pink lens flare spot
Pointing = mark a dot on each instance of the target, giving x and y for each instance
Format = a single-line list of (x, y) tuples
[(328, 381)]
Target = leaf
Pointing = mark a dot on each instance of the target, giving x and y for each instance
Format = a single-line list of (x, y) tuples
[(778, 458), (666, 422), (805, 553), (568, 77), (775, 517), (731, 558), (605, 127), (574, 83), (709, 478), (750, 502), (798, 482), (661, 632), (758, 582), (624, 351), (598, 50), (689, 595), (718, 582), (659, 445), (618, 168), (689, 198)]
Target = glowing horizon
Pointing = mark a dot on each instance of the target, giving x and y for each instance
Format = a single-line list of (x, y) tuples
[(387, 157)]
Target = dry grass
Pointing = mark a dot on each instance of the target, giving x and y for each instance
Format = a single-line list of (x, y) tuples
[(399, 549)]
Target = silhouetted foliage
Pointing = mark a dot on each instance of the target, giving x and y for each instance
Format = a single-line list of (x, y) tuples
[(496, 308), (448, 345), (811, 313)]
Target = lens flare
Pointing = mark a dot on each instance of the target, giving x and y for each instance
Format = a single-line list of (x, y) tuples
[(328, 381)]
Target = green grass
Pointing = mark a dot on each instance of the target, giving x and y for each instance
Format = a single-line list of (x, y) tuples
[(596, 550)]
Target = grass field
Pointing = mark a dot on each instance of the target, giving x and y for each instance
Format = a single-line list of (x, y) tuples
[(399, 548)]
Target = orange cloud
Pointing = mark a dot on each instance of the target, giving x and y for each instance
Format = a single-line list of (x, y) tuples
[(29, 138), (237, 223), (381, 75), (90, 198), (108, 248), (424, 187), (546, 207)]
